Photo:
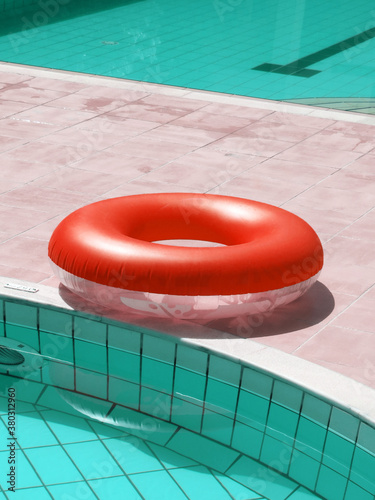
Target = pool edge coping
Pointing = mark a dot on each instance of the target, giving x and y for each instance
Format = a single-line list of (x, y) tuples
[(332, 386), (187, 93)]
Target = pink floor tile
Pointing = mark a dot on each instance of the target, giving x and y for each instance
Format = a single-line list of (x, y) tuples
[(8, 143), (349, 279), (260, 188), (348, 203), (351, 181), (80, 181), (251, 145), (13, 78), (362, 229), (47, 200), (18, 220), (22, 130), (150, 112), (120, 95), (126, 127), (55, 155), (210, 121), (343, 347), (92, 104), (84, 140), (350, 252), (142, 148), (44, 230), (55, 84), (299, 120), (276, 131), (341, 141), (21, 171), (46, 114), (293, 171), (10, 108), (183, 135), (29, 253), (23, 273), (353, 128), (359, 315), (23, 93), (184, 105), (252, 114), (140, 186), (128, 167), (316, 155)]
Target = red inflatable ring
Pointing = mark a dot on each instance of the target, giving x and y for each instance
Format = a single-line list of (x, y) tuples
[(106, 252)]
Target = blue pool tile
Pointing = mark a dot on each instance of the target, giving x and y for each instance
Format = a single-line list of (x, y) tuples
[(114, 487), (189, 385), (202, 450), (38, 493), (331, 485), (338, 453), (316, 410), (247, 440), (2, 330), (55, 322), (123, 392), (187, 415), (106, 430), (262, 480), (87, 329), (287, 395), (344, 423), (237, 490), (217, 427), (157, 486), (26, 390), (132, 454), (124, 365), (91, 383), (194, 480), (256, 382), (90, 356), (156, 403), (304, 469), (221, 397), (252, 410), (56, 347), (157, 375), (303, 494), (282, 423), (169, 458), (69, 402), (310, 438), (58, 374), (362, 471), (66, 491), (21, 314), (25, 335), (53, 465), (68, 428), (225, 370), (33, 431), (93, 460), (192, 359), (159, 349), (366, 438), (26, 476), (276, 454), (121, 338), (353, 491), (143, 426)]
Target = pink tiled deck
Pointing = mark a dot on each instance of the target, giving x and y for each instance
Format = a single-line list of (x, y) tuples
[(67, 140)]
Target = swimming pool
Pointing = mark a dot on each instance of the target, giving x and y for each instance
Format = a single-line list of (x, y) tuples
[(111, 409), (289, 50)]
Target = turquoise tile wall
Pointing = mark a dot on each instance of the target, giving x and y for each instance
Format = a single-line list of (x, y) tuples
[(226, 410)]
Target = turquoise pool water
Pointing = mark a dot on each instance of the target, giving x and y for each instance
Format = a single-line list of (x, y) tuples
[(282, 50), (106, 410)]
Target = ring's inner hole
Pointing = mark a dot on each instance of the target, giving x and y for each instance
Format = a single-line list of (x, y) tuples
[(189, 243)]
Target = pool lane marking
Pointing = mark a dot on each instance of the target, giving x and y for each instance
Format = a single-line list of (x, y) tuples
[(299, 67)]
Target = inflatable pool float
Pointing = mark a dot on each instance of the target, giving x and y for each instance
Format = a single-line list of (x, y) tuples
[(107, 252)]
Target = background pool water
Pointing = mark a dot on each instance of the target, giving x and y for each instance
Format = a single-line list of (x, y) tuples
[(202, 44)]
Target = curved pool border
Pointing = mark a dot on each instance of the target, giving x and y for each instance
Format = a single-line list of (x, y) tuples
[(296, 389)]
